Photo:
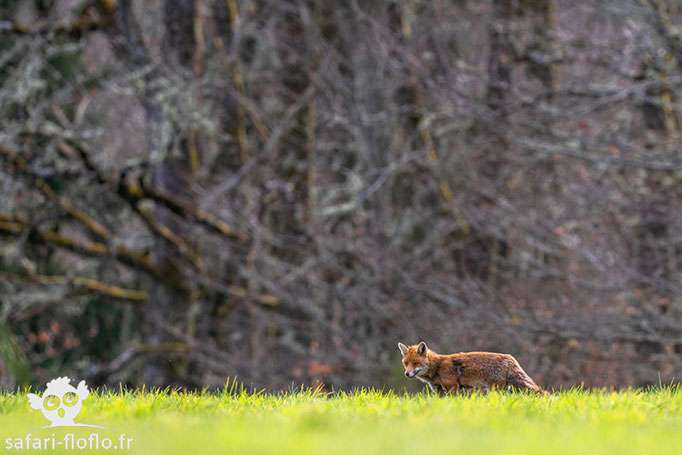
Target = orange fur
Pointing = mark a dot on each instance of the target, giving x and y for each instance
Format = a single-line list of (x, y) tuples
[(465, 370)]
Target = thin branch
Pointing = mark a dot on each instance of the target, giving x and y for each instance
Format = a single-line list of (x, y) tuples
[(270, 146), (62, 201), (79, 283)]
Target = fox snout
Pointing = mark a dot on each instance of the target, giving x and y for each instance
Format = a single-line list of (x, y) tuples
[(415, 372)]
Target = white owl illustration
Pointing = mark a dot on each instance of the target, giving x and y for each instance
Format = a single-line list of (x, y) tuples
[(61, 402)]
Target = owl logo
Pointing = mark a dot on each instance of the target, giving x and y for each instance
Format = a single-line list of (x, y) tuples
[(61, 402)]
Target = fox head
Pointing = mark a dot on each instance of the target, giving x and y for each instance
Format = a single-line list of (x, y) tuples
[(415, 359)]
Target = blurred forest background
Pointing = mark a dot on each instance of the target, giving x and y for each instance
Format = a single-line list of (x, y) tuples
[(281, 190)]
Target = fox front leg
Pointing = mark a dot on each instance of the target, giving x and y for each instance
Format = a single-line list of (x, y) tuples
[(432, 388), (452, 390), (438, 388)]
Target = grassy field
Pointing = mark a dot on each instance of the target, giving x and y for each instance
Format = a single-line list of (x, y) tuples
[(367, 422)]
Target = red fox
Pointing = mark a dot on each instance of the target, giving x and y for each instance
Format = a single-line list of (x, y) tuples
[(466, 370)]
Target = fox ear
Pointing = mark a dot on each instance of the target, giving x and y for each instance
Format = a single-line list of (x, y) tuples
[(422, 348), (403, 349)]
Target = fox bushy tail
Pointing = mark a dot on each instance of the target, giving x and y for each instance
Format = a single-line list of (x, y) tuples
[(521, 381)]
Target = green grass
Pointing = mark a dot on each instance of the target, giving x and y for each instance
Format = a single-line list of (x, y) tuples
[(371, 422)]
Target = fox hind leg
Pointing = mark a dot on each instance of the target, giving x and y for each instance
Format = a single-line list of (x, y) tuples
[(521, 381)]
